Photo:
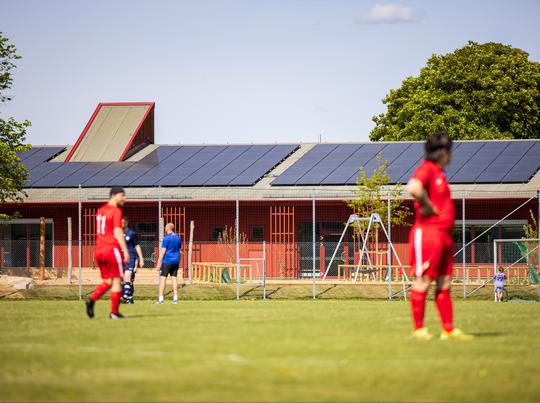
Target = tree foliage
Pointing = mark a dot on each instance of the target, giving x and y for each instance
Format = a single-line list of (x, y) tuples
[(13, 174), (481, 91), (372, 197)]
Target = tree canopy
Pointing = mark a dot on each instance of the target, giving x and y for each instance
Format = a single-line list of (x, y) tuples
[(481, 91), (13, 174)]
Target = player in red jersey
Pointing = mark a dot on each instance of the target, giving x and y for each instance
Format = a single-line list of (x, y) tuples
[(431, 248), (111, 252)]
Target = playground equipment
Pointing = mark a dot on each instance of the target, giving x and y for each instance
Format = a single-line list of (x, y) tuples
[(371, 221)]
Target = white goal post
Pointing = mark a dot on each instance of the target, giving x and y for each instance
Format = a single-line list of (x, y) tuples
[(512, 253)]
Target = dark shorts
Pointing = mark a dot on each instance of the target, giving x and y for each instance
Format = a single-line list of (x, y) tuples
[(499, 289), (168, 269), (131, 265)]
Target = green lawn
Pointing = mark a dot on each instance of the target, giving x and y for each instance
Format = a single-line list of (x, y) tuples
[(265, 351)]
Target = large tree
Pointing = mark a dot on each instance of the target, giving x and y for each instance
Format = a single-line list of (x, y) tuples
[(481, 91), (13, 174)]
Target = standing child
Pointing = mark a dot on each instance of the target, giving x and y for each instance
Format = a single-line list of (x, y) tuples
[(500, 283)]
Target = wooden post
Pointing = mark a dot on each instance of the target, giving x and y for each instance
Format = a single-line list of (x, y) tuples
[(69, 251), (190, 251), (42, 248)]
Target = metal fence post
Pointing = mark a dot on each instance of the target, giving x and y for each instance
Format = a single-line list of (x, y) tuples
[(160, 223), (160, 226), (314, 286), (80, 240), (463, 248), (69, 250), (264, 269), (389, 251), (237, 236)]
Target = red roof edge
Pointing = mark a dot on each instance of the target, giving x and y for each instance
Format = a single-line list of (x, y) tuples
[(143, 134)]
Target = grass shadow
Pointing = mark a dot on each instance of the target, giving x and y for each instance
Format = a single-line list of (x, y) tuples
[(246, 293), (270, 293), (325, 291)]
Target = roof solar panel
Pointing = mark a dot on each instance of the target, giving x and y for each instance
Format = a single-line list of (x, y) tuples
[(160, 154), (107, 174), (60, 170), (171, 161), (83, 174), (129, 175), (526, 167), (504, 162), (39, 172), (25, 154), (478, 163), (324, 164)]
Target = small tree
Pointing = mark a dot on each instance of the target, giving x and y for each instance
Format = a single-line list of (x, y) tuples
[(372, 198), (227, 242), (13, 174), (530, 231)]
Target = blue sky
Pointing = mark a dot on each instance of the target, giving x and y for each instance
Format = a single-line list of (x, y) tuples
[(238, 71)]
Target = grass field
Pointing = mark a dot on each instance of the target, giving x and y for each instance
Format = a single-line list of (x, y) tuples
[(264, 351)]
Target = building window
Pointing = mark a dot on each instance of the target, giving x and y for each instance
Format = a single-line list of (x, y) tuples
[(216, 233), (257, 233)]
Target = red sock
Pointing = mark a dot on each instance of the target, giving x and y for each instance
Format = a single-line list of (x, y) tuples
[(444, 305), (115, 301), (99, 291), (418, 304)]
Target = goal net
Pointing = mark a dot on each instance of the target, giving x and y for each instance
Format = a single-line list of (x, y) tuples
[(518, 258)]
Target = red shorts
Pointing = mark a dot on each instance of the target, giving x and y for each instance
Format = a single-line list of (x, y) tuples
[(110, 262), (431, 252)]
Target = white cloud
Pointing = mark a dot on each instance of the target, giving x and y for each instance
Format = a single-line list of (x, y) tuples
[(388, 13)]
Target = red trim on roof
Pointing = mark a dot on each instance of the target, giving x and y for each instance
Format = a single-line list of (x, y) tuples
[(133, 136), (85, 130)]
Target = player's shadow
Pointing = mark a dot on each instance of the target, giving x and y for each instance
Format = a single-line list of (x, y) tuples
[(147, 316), (488, 334)]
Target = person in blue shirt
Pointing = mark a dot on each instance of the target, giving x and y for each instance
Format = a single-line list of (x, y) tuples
[(136, 260), (169, 262)]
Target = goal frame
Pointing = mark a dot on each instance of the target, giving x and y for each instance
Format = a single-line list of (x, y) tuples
[(496, 242)]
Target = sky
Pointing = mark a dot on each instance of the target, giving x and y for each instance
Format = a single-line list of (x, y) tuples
[(238, 71)]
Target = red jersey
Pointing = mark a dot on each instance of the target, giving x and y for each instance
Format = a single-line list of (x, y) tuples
[(434, 182), (107, 219)]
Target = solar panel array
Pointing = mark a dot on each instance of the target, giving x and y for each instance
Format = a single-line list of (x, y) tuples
[(37, 155), (473, 162), (234, 165)]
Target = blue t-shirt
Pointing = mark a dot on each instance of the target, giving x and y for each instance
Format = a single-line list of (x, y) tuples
[(131, 241), (172, 243)]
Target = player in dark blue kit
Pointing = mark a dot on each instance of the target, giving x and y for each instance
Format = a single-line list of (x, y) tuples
[(136, 260)]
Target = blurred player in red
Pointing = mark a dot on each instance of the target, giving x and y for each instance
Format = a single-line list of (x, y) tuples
[(431, 248), (111, 252)]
